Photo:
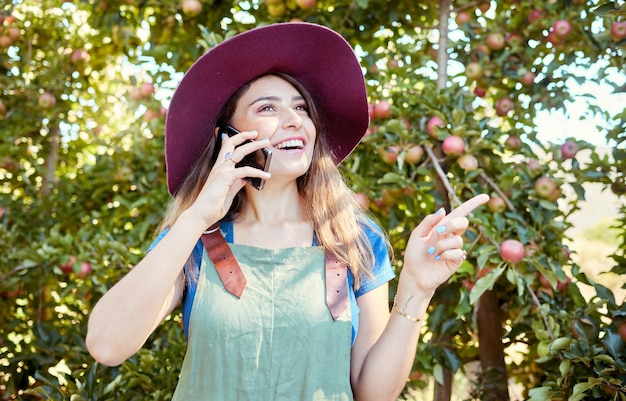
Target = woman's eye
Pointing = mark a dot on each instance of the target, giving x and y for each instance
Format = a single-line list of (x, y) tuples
[(267, 107), (302, 107)]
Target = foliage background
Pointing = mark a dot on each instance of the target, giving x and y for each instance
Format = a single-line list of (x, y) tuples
[(82, 180)]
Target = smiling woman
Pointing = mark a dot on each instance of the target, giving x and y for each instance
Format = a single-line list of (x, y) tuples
[(278, 279)]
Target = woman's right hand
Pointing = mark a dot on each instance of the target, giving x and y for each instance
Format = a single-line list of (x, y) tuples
[(226, 180)]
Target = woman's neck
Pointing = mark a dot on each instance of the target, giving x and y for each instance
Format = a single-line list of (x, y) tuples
[(273, 219)]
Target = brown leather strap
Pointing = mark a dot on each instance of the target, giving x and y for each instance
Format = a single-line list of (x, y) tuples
[(235, 282), (225, 263)]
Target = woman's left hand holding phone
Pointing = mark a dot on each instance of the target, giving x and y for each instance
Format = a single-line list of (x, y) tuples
[(226, 180)]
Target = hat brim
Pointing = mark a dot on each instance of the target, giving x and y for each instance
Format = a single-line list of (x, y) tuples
[(317, 57)]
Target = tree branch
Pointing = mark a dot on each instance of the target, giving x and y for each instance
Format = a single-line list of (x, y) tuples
[(496, 188), (442, 175)]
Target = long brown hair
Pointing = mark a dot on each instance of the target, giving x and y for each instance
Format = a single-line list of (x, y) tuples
[(337, 218)]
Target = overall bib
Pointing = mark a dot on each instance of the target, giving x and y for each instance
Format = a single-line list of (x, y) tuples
[(278, 342)]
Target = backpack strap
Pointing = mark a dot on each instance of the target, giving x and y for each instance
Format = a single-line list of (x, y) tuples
[(234, 281)]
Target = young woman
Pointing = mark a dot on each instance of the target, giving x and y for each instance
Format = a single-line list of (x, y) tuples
[(284, 289)]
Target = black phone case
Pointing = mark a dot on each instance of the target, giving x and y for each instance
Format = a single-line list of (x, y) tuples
[(259, 159)]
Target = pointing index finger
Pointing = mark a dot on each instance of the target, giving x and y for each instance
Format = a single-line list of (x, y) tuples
[(469, 205)]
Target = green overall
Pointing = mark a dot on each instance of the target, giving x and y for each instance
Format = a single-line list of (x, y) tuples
[(278, 342)]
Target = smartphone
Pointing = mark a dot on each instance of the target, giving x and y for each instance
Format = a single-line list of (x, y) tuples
[(259, 159)]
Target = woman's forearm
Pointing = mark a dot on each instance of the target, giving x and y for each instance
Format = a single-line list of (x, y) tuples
[(389, 361), (127, 314)]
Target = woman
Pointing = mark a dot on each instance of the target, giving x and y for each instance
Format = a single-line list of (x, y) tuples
[(289, 298)]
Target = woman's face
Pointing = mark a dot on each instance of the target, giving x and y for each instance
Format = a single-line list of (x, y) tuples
[(274, 108)]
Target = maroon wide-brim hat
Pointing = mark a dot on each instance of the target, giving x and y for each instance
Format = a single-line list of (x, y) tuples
[(317, 57)]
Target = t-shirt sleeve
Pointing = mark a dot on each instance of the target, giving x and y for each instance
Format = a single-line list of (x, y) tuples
[(383, 271)]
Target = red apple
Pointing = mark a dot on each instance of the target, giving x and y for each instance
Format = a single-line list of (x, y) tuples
[(5, 42), (453, 145), (85, 270), (495, 41), (483, 48), (534, 166), (431, 126), (150, 115), (503, 106), (512, 251), (462, 17), (135, 93), (543, 281), (46, 100), (80, 56), (390, 196), (514, 39), (535, 15), (14, 34), (562, 28), (555, 195), (382, 109), (484, 6), (473, 71), (414, 154), (147, 89), (389, 154), (618, 30), (362, 200), (561, 285), (569, 149), (468, 162), (468, 284), (528, 78), (306, 4), (191, 8), (3, 108), (483, 272), (545, 187), (66, 266), (480, 92), (496, 204)]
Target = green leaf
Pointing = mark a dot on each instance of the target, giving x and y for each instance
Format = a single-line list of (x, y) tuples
[(438, 374), (579, 390), (485, 283), (540, 393), (607, 8), (42, 392)]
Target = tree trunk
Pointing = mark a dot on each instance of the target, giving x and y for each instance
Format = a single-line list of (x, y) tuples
[(491, 351), (442, 51), (443, 392)]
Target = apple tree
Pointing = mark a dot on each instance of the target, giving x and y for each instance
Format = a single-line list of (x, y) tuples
[(455, 91)]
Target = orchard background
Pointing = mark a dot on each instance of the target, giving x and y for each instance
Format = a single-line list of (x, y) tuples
[(455, 90)]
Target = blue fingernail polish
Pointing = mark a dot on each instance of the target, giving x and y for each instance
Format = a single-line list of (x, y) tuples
[(224, 136), (437, 257), (439, 211), (431, 250), (441, 229), (254, 131)]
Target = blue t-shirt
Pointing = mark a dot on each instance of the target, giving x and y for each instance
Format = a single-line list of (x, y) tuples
[(382, 272)]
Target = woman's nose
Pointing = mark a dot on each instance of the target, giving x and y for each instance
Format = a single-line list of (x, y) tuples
[(292, 119)]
